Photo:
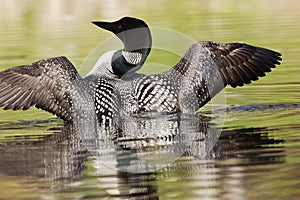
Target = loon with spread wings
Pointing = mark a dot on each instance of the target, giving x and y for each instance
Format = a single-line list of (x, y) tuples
[(54, 84)]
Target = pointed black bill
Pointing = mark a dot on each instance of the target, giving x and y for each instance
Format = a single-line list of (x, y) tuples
[(105, 25)]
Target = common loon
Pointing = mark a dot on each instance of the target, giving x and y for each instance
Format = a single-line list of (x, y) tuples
[(113, 88)]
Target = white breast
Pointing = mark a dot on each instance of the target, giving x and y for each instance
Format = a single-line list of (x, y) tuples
[(103, 65)]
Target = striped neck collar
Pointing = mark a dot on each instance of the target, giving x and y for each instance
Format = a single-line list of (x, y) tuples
[(132, 58)]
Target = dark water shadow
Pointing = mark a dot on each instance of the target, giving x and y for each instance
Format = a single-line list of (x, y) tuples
[(136, 163), (262, 107)]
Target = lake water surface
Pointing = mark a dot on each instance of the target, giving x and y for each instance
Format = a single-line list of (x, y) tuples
[(246, 149)]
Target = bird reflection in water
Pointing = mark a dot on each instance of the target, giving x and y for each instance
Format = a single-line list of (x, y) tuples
[(130, 163)]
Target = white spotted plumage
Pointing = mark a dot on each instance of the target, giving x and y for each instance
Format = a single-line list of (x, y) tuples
[(105, 101)]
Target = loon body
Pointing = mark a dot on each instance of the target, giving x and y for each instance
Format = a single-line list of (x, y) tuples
[(112, 89)]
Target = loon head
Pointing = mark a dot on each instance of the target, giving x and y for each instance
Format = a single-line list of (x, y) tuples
[(136, 37)]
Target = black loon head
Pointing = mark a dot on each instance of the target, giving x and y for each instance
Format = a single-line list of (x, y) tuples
[(136, 37)]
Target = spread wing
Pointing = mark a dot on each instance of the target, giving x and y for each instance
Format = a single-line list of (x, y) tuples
[(208, 67), (45, 84), (240, 63)]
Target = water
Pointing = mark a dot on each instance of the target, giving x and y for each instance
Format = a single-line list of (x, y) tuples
[(256, 155)]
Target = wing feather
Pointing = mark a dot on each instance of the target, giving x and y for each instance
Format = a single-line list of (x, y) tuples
[(208, 67), (44, 84)]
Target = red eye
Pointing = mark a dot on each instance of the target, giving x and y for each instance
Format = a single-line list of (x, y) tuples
[(120, 27)]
